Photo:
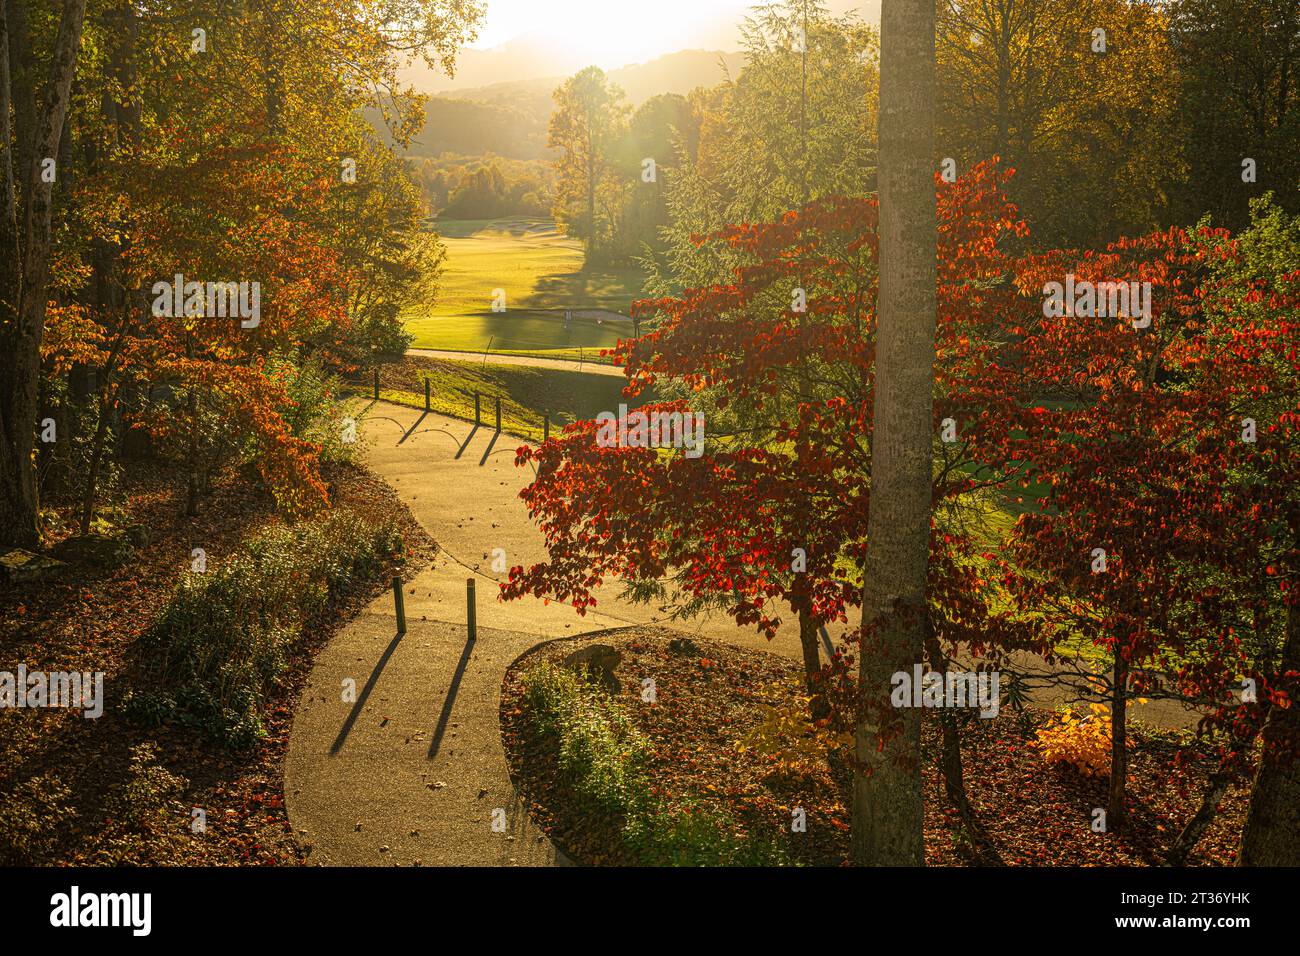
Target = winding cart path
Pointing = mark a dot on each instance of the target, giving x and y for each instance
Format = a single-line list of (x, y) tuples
[(409, 769)]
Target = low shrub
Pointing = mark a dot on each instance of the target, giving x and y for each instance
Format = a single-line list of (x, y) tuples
[(1081, 741), (599, 750), (31, 816), (223, 640), (147, 822), (313, 411), (796, 746), (605, 760)]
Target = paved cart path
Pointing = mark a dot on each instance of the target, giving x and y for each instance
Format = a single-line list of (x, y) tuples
[(498, 358), (411, 770)]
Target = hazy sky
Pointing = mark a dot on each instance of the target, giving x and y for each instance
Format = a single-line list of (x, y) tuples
[(612, 33)]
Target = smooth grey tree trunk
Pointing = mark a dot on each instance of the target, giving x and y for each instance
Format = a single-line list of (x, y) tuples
[(887, 807)]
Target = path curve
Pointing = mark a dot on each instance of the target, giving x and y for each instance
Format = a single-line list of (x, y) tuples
[(410, 769), (496, 358)]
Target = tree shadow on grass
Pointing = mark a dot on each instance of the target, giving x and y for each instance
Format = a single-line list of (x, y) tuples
[(587, 289)]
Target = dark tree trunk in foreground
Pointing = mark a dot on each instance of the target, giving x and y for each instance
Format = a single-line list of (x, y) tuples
[(1115, 812), (812, 665), (1272, 833), (887, 808), (954, 781), (25, 253)]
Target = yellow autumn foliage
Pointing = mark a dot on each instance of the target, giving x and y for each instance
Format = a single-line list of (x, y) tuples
[(797, 746), (1081, 740)]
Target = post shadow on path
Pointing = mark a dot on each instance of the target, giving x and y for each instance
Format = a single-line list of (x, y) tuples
[(449, 701), (492, 444), (468, 438), (416, 424), (365, 694)]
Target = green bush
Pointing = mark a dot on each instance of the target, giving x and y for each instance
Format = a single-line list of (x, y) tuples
[(313, 411), (599, 750), (31, 816), (224, 638), (381, 332), (692, 834), (147, 821), (604, 759)]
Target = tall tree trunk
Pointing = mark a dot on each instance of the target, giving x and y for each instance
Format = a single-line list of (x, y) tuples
[(273, 76), (953, 775), (22, 90), (887, 807), (1272, 833), (192, 457), (96, 459), (9, 226), (1118, 745), (812, 665), (591, 186), (107, 396), (1004, 53), (17, 486), (22, 298)]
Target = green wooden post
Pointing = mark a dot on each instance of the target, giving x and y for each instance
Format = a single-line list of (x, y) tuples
[(399, 604), (469, 609)]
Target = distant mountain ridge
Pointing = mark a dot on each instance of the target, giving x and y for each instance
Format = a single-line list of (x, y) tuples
[(545, 55), (509, 118), (678, 72)]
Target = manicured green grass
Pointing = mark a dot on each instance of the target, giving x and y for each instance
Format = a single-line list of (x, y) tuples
[(541, 273), (581, 355), (529, 333)]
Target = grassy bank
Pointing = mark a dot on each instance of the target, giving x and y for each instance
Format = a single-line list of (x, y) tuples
[(526, 393)]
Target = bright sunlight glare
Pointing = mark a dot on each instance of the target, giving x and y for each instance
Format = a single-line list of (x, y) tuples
[(612, 33)]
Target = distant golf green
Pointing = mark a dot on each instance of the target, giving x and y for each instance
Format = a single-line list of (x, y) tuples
[(542, 275)]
